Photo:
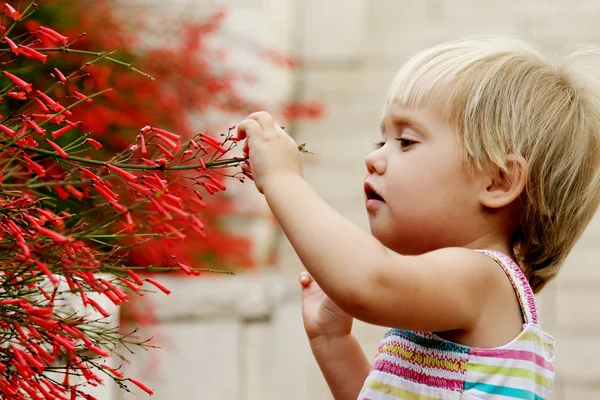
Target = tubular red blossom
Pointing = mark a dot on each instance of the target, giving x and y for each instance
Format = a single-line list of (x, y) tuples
[(19, 82), (99, 351), (155, 179), (34, 221), (17, 95), (197, 222), (146, 129), (61, 192), (165, 151), (217, 147), (176, 210), (199, 231), (13, 47), (81, 96), (144, 151), (94, 143), (199, 202), (108, 194), (57, 237), (113, 371), (209, 139), (59, 132), (175, 232), (91, 175), (118, 207), (42, 266), (55, 119), (35, 166), (97, 306), (150, 162), (54, 35), (47, 99), (11, 12), (185, 268), (62, 78), (216, 182), (142, 386), (30, 122), (42, 105), (158, 207), (64, 342), (168, 134), (58, 149), (7, 130), (141, 188), (135, 277), (31, 53), (129, 219), (130, 285), (174, 146), (159, 286), (172, 198), (194, 144), (122, 173), (209, 188), (25, 248), (76, 193)]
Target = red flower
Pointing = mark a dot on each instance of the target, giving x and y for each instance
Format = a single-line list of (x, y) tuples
[(11, 12)]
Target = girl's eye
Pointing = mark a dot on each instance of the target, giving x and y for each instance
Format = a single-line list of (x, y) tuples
[(378, 145), (404, 143)]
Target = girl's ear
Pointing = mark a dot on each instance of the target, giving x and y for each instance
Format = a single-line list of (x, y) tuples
[(505, 186)]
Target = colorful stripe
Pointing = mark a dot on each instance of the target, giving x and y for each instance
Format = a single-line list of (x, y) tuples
[(431, 357), (418, 377), (521, 355), (428, 340), (515, 372), (396, 391), (502, 391)]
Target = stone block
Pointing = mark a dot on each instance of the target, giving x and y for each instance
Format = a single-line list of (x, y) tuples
[(577, 356), (573, 309), (196, 362), (332, 30)]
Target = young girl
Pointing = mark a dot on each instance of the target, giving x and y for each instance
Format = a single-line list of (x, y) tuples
[(487, 173)]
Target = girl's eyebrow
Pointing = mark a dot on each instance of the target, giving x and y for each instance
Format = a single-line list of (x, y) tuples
[(404, 120)]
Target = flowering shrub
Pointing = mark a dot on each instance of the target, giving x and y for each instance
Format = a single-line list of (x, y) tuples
[(72, 211)]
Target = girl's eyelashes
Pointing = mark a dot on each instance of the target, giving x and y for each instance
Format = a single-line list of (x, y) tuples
[(404, 143), (378, 145)]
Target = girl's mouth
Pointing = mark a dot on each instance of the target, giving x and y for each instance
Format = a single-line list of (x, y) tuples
[(374, 199)]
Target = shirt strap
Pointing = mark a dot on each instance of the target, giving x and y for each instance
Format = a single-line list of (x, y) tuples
[(519, 282)]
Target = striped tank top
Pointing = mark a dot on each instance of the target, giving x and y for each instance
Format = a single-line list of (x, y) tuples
[(423, 366)]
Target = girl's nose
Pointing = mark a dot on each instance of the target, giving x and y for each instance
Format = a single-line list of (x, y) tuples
[(375, 162)]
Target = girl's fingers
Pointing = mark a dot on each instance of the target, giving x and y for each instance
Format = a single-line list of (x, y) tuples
[(305, 279), (265, 120), (246, 128)]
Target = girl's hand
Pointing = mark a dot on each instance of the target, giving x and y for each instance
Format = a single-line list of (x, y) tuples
[(273, 153), (324, 321)]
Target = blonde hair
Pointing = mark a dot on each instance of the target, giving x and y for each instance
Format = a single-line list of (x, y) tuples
[(505, 97)]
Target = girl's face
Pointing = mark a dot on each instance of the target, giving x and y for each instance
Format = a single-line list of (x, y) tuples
[(418, 195)]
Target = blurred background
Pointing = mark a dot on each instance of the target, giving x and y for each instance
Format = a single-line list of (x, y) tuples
[(322, 68)]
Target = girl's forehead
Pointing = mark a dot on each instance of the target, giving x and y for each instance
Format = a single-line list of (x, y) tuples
[(426, 118)]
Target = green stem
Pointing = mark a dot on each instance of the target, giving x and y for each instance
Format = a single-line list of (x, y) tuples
[(97, 54)]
